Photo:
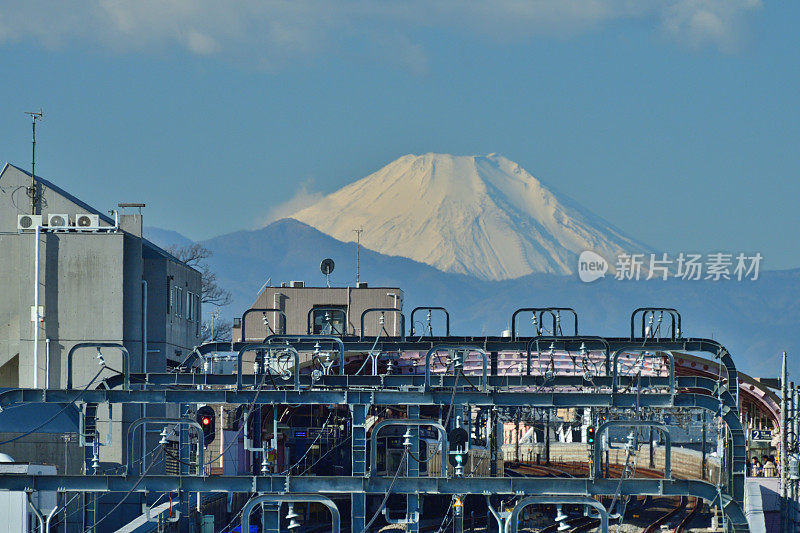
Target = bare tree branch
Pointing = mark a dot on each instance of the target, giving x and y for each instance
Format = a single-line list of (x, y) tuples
[(195, 256), (223, 331)]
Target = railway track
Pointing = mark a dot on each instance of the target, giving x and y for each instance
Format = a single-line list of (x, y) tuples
[(652, 528), (583, 523), (689, 516)]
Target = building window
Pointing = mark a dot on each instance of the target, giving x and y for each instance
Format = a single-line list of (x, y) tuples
[(330, 319), (189, 306), (169, 295), (178, 301), (198, 314)]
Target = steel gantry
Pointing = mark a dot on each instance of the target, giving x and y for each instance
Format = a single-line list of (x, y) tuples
[(610, 389)]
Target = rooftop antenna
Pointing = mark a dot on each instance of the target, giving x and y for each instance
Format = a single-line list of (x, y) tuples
[(358, 231), (35, 115)]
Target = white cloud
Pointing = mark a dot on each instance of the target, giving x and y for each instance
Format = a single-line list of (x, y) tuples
[(200, 43), (720, 23), (269, 32), (304, 197)]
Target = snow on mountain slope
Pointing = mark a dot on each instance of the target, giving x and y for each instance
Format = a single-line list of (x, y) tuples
[(479, 215)]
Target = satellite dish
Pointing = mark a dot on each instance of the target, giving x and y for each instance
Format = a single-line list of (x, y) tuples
[(326, 267)]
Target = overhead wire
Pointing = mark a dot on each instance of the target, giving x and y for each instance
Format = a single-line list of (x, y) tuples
[(64, 408), (125, 497)]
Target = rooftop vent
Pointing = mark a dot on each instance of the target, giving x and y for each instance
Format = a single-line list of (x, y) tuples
[(297, 284), (362, 285)]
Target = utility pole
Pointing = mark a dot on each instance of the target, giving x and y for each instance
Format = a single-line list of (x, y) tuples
[(35, 115), (358, 231), (784, 442)]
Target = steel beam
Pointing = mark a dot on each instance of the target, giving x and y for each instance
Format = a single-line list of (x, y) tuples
[(291, 498)]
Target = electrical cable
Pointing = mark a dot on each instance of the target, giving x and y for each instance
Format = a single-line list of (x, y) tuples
[(127, 494), (388, 493), (235, 437), (319, 435), (43, 424), (446, 421)]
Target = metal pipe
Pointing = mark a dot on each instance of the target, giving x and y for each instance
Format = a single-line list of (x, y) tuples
[(385, 310), (484, 356), (511, 522), (784, 441), (36, 511), (267, 346), (446, 317), (144, 326), (126, 360), (534, 310), (640, 348), (565, 341), (46, 363), (291, 498), (331, 338), (261, 310), (36, 308), (597, 472), (395, 300), (50, 516), (373, 456), (144, 368), (574, 318), (164, 420), (675, 318), (314, 310)]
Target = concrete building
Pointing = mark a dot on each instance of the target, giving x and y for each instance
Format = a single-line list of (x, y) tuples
[(94, 278), (330, 310)]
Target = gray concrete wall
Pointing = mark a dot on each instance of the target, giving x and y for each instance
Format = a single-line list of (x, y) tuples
[(91, 290), (296, 302)]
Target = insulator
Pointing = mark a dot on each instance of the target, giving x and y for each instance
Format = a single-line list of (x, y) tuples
[(291, 515), (407, 438)]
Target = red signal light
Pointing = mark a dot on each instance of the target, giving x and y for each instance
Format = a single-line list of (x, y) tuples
[(206, 421)]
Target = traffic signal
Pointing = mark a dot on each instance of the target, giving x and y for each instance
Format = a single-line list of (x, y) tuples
[(207, 419), (590, 434), (457, 441), (458, 507)]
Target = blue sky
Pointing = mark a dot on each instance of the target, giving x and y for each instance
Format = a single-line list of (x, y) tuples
[(676, 120)]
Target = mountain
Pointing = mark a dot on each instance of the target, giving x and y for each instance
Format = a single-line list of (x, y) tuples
[(480, 215), (754, 319), (165, 237)]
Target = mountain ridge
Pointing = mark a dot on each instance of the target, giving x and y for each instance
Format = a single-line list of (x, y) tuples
[(479, 215), (753, 319)]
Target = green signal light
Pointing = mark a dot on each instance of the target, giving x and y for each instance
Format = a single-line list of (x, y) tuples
[(459, 458)]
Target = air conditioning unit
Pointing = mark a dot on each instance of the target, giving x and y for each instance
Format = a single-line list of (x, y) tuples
[(57, 221), (28, 221), (87, 221)]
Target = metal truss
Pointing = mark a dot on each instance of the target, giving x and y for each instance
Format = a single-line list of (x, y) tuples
[(609, 390), (343, 485)]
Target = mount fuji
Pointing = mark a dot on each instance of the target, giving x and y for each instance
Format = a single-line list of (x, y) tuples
[(483, 216)]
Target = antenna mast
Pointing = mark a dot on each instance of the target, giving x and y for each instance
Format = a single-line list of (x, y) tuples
[(35, 115), (358, 258)]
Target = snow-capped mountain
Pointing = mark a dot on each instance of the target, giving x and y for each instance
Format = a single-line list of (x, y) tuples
[(480, 215)]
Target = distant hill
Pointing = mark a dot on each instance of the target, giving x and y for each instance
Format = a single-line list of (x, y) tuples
[(756, 320), (165, 237)]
